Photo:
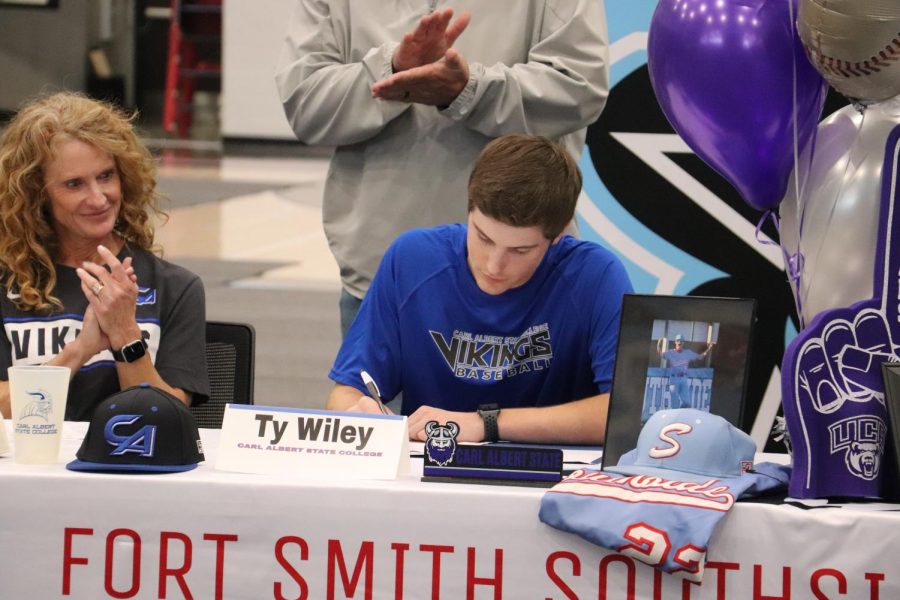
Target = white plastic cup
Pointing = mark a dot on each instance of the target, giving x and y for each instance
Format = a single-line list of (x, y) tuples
[(4, 442), (38, 401)]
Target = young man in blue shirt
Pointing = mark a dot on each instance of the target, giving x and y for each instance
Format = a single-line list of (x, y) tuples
[(504, 325), (678, 361)]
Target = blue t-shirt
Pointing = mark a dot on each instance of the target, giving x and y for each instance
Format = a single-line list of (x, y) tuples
[(425, 327), (680, 360)]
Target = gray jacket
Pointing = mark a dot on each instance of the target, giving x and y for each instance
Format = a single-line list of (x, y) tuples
[(536, 66)]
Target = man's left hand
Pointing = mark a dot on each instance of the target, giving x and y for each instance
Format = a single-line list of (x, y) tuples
[(428, 42), (434, 84), (471, 427)]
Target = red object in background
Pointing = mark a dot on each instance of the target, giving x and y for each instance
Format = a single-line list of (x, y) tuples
[(195, 37)]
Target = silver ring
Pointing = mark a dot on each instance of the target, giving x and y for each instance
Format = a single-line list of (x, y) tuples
[(97, 288)]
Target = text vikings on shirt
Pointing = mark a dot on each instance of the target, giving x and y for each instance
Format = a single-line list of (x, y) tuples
[(491, 357)]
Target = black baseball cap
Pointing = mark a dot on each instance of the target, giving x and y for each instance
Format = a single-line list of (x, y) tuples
[(141, 429)]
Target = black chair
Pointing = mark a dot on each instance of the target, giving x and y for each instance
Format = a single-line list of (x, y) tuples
[(230, 361)]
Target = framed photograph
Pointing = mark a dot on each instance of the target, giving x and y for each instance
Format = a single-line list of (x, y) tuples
[(677, 352), (891, 374)]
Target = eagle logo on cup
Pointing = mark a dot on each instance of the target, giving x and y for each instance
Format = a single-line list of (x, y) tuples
[(40, 405)]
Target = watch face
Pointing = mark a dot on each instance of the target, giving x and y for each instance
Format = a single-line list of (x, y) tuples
[(134, 350)]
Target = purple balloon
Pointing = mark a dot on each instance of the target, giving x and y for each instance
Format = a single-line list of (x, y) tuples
[(723, 72)]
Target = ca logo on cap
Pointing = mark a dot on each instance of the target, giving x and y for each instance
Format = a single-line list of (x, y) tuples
[(142, 442)]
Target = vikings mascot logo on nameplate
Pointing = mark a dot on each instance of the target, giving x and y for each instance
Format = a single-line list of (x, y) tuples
[(448, 460), (441, 443)]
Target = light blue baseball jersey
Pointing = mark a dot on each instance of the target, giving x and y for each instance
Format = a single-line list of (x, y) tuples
[(664, 523)]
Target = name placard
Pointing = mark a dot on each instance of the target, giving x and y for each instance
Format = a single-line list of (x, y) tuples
[(312, 443), (492, 463)]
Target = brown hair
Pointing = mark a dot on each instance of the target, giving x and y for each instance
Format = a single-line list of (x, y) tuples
[(28, 243), (526, 181)]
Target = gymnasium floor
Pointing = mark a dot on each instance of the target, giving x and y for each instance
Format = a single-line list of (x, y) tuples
[(247, 219)]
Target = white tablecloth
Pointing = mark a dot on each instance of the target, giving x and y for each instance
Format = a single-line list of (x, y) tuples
[(212, 534)]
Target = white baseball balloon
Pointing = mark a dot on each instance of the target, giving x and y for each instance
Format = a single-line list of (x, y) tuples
[(854, 44), (834, 225)]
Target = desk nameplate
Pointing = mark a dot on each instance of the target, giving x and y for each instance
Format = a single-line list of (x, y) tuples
[(504, 464), (312, 443)]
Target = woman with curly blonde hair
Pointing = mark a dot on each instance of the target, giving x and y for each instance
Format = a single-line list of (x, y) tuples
[(83, 288)]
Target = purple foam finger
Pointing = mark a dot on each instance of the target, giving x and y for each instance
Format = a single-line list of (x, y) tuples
[(838, 445)]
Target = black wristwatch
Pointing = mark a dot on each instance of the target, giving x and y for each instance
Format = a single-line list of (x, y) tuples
[(489, 414), (131, 351)]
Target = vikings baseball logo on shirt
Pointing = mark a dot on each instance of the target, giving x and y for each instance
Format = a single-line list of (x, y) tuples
[(832, 388), (491, 357)]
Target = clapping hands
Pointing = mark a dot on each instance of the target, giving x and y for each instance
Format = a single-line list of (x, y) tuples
[(111, 290), (427, 69)]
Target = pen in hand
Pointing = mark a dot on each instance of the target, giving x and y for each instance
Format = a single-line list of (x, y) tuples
[(374, 392)]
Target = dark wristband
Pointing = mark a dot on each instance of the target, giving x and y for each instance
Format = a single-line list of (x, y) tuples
[(489, 414)]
